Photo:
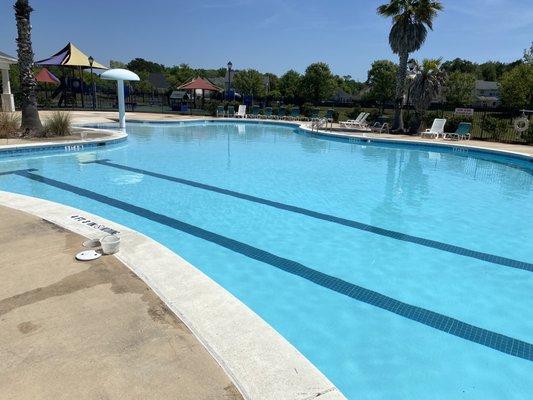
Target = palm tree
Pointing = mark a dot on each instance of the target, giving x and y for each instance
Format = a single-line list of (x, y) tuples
[(427, 84), (410, 22), (30, 116)]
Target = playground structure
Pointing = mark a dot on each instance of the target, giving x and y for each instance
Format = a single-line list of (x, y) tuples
[(74, 59)]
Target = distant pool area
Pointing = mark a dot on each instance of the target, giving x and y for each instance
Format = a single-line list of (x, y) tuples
[(399, 270)]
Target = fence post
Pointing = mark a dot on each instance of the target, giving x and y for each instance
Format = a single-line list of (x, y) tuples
[(483, 122)]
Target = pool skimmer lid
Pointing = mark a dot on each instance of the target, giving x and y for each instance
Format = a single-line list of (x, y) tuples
[(91, 243), (88, 255)]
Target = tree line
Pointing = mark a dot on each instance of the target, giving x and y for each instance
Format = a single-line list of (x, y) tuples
[(386, 81)]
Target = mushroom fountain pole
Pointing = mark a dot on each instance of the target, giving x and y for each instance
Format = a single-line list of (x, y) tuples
[(120, 75), (121, 105)]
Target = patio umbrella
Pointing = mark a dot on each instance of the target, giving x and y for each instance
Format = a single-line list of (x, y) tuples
[(199, 84), (71, 56), (46, 77)]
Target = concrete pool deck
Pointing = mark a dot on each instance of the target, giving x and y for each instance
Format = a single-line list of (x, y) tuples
[(90, 330), (261, 363)]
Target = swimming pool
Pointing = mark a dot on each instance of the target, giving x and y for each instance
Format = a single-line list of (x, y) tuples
[(399, 271)]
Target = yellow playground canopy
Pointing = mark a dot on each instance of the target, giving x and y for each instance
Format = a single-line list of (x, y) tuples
[(70, 56)]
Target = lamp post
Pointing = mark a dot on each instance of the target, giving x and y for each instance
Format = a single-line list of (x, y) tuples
[(230, 65), (91, 62)]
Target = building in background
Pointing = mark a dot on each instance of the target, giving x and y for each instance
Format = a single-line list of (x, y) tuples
[(8, 102), (487, 94)]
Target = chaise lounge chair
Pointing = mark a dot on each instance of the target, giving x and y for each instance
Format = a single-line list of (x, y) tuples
[(462, 132), (380, 127), (254, 113), (231, 112), (282, 113), (436, 130), (267, 113), (296, 116), (358, 123), (315, 114), (241, 112), (349, 123)]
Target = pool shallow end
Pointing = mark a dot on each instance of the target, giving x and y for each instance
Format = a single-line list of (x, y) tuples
[(262, 364)]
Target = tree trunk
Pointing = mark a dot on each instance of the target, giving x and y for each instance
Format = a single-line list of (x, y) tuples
[(397, 124), (30, 123)]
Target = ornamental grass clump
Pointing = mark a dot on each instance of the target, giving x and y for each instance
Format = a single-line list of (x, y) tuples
[(58, 124), (9, 124)]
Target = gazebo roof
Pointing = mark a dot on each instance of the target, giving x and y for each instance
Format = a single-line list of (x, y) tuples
[(199, 83), (46, 76), (70, 56)]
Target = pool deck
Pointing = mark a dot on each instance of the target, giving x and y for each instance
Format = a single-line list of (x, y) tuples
[(88, 117), (261, 363), (90, 330)]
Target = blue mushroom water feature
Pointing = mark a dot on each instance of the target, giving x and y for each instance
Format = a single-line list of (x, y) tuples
[(120, 75)]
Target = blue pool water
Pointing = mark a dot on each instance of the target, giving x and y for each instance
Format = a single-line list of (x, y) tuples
[(400, 272)]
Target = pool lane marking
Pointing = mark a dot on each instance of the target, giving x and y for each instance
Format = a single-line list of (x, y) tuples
[(487, 338), (462, 251), (16, 171)]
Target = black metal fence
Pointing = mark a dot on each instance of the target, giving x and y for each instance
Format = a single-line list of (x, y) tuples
[(488, 124)]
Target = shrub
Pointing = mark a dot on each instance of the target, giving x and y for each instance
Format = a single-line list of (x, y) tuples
[(9, 124), (211, 107), (497, 127), (58, 124), (374, 115), (306, 109), (429, 116)]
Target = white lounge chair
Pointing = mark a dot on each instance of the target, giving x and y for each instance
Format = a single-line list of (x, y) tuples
[(318, 123), (436, 130), (241, 112), (379, 127), (362, 124), (351, 122)]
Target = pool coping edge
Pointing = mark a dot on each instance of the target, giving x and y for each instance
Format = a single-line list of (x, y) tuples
[(112, 136), (261, 363)]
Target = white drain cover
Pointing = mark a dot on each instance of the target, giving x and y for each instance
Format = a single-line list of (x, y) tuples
[(88, 255)]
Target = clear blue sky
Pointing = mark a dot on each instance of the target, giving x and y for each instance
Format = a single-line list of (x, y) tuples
[(272, 36)]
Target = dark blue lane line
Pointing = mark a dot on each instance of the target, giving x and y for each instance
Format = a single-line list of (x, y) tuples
[(15, 171), (491, 258), (496, 341)]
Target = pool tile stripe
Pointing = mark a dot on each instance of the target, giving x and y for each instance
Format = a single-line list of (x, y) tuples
[(462, 251), (14, 172), (452, 326)]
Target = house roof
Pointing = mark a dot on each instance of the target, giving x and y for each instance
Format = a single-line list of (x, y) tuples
[(7, 58), (218, 81), (486, 85)]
